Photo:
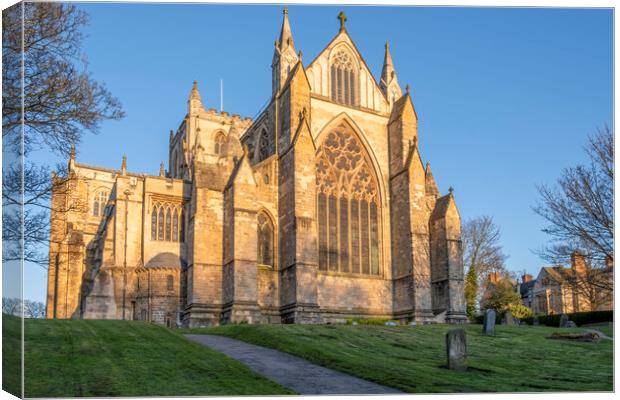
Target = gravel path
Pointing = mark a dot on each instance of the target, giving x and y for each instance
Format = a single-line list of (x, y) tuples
[(292, 372)]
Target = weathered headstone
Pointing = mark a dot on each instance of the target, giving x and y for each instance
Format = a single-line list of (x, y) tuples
[(565, 322), (508, 320), (456, 347), (488, 324)]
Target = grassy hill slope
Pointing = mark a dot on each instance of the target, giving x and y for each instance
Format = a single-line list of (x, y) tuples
[(413, 359), (125, 358)]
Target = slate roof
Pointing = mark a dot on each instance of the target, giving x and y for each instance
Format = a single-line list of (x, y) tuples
[(166, 259)]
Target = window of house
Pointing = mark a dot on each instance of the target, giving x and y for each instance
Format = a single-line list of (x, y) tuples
[(347, 206), (343, 78), (265, 240), (101, 199)]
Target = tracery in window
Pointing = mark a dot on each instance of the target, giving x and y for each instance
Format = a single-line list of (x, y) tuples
[(266, 147), (343, 78), (99, 202), (347, 206), (220, 138), (265, 240), (165, 224)]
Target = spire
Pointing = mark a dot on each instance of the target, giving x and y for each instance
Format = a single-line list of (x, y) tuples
[(286, 36), (388, 66), (431, 185), (171, 135), (162, 171), (284, 57), (195, 95), (124, 165), (195, 102), (72, 153), (389, 82)]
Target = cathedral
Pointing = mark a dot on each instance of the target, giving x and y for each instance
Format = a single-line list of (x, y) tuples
[(319, 210)]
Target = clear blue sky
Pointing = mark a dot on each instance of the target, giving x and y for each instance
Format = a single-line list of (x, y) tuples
[(505, 97)]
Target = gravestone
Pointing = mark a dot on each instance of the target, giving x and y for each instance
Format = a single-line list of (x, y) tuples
[(508, 320), (564, 321), (456, 348), (535, 321), (488, 325)]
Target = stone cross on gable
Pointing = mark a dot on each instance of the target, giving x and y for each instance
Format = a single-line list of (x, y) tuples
[(343, 18)]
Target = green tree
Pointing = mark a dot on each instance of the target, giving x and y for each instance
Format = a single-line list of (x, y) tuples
[(501, 296), (471, 291)]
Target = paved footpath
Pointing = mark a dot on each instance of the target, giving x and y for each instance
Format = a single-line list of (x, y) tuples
[(292, 372)]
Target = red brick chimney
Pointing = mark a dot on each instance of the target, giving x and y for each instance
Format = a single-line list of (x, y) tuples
[(578, 263), (494, 277), (526, 278)]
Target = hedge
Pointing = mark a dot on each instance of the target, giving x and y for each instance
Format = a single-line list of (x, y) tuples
[(579, 318)]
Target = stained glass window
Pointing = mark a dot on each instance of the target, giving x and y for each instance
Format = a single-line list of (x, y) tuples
[(343, 78), (347, 206)]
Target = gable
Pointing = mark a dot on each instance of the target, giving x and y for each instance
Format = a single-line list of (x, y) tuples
[(318, 72)]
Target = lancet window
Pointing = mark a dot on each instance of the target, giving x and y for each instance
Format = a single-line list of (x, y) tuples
[(266, 147), (343, 78), (99, 202), (167, 222), (220, 138), (265, 240), (348, 206)]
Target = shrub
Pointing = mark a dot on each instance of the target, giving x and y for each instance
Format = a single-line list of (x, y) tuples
[(520, 311), (579, 318)]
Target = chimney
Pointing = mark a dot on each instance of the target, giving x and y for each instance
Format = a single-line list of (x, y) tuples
[(494, 277), (526, 278), (578, 263)]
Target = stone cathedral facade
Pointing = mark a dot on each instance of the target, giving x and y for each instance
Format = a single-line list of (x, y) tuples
[(319, 210)]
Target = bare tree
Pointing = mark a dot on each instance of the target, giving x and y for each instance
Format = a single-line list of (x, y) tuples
[(482, 254), (61, 101), (32, 309), (579, 210), (11, 306)]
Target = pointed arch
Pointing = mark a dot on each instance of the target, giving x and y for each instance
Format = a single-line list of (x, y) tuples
[(266, 239), (348, 203), (344, 118), (218, 142), (100, 200), (344, 71)]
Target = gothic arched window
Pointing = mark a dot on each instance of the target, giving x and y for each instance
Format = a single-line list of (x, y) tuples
[(101, 198), (265, 146), (154, 224), (160, 224), (175, 226), (170, 282), (265, 240), (343, 78), (165, 224), (168, 224), (347, 206), (220, 138)]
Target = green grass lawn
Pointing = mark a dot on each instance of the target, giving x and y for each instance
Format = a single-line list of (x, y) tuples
[(413, 359), (125, 358), (11, 355)]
